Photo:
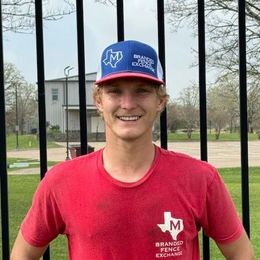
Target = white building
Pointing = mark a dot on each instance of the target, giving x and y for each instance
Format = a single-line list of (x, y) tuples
[(55, 90)]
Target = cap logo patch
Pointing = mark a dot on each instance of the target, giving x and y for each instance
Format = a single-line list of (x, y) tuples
[(143, 62), (112, 58)]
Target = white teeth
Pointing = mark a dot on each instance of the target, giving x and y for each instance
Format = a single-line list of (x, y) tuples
[(129, 118)]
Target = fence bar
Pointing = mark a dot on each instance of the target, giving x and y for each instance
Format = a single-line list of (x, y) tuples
[(3, 161), (203, 101), (120, 20), (161, 46), (41, 95), (82, 78), (243, 114)]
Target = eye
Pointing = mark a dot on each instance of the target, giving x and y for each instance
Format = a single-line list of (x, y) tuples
[(142, 90), (114, 91)]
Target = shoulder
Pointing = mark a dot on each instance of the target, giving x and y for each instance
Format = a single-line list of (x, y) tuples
[(185, 161), (187, 166), (72, 169)]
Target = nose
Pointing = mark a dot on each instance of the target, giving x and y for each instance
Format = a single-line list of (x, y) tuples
[(128, 100)]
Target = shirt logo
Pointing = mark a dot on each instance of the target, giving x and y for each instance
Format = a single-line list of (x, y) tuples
[(172, 225), (112, 58)]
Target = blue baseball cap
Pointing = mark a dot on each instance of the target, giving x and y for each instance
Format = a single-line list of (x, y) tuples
[(130, 59)]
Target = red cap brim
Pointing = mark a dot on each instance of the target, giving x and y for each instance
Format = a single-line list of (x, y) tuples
[(128, 75)]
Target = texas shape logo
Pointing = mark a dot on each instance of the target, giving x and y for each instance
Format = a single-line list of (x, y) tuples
[(173, 225), (112, 57)]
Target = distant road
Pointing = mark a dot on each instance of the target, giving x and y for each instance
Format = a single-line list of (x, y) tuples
[(220, 154)]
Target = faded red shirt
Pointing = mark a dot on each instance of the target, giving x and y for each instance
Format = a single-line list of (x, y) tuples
[(157, 217)]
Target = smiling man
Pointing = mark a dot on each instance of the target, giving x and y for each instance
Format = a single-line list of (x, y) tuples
[(131, 199)]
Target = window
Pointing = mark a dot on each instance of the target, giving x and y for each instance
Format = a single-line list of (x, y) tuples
[(54, 94)]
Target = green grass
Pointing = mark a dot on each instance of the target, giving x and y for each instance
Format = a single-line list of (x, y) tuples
[(25, 142), (19, 160), (181, 136), (232, 178), (21, 189)]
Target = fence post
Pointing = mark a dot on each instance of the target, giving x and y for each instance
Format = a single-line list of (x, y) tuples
[(243, 114), (203, 101), (81, 77), (41, 95), (120, 20), (3, 160), (161, 43)]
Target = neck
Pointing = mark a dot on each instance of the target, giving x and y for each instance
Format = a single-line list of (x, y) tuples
[(128, 161)]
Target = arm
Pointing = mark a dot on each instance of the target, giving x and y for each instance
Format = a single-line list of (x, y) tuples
[(22, 250), (241, 249)]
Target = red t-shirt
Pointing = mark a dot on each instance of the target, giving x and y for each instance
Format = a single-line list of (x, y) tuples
[(156, 217)]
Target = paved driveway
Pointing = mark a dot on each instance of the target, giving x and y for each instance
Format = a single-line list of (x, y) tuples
[(220, 154)]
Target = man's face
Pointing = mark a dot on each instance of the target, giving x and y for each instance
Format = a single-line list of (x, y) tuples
[(129, 108)]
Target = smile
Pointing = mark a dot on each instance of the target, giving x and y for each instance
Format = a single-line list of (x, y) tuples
[(129, 118)]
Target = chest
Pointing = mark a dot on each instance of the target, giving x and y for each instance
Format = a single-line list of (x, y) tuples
[(131, 213), (155, 218)]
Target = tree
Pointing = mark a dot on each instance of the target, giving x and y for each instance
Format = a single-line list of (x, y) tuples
[(189, 101), (222, 48), (227, 91), (254, 107), (218, 109), (174, 118), (222, 31), (223, 104), (21, 102), (110, 2), (19, 15), (13, 79)]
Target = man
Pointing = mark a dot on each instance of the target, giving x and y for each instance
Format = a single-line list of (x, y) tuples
[(131, 200)]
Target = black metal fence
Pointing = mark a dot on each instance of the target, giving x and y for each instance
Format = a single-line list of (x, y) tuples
[(83, 112)]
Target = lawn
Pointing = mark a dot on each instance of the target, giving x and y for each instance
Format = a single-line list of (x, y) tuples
[(232, 179), (181, 136), (32, 163), (25, 142), (21, 189)]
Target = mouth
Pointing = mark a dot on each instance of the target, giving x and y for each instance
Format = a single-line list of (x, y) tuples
[(129, 118)]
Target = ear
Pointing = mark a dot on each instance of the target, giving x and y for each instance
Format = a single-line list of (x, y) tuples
[(98, 102), (161, 104)]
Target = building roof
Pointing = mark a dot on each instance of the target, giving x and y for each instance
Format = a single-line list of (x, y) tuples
[(91, 77)]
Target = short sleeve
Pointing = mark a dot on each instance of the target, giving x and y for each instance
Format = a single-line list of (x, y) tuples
[(43, 221), (220, 219)]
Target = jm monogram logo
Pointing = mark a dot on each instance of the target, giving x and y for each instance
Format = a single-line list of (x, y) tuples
[(112, 58), (172, 225)]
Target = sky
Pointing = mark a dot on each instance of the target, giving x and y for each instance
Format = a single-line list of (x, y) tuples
[(60, 43)]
